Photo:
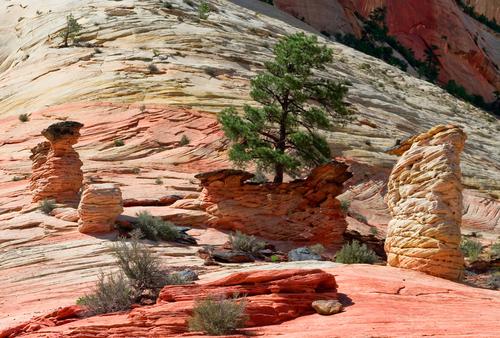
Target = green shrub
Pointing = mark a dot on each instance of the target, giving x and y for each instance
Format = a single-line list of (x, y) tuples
[(47, 205), (275, 258), (218, 317), (245, 243), (359, 217), (24, 117), (17, 178), (154, 228), (119, 143), (184, 141), (471, 248), (112, 293), (354, 252), (345, 205), (158, 181), (204, 10), (139, 264), (495, 250), (373, 231), (318, 249)]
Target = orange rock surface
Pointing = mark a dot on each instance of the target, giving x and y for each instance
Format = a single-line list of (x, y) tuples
[(99, 207), (425, 199), (303, 211), (467, 49), (57, 170)]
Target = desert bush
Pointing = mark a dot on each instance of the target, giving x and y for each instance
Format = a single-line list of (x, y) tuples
[(158, 181), (344, 205), (47, 205), (318, 249), (495, 250), (373, 231), (112, 293), (354, 252), (154, 228), (119, 143), (218, 317), (17, 178), (24, 117), (153, 69), (471, 248), (139, 264), (204, 10), (241, 242), (184, 141), (359, 217)]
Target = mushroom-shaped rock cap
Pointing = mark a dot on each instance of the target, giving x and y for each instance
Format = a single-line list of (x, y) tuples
[(61, 130)]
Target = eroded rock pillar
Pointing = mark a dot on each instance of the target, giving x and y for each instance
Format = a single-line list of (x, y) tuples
[(425, 199), (56, 169), (99, 207)]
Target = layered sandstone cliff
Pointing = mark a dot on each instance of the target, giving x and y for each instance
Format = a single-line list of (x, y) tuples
[(302, 211), (56, 165), (425, 199), (466, 49)]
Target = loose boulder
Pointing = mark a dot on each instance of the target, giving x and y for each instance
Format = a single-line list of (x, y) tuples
[(56, 168), (425, 200), (99, 207), (327, 307)]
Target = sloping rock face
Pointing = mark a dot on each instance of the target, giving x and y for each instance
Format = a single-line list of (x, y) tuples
[(467, 49), (99, 207), (425, 199), (272, 296), (489, 8), (57, 171), (303, 211)]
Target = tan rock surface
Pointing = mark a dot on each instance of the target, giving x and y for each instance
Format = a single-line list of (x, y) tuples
[(425, 199), (99, 207), (57, 173)]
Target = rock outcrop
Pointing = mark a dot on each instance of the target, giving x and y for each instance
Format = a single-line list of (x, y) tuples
[(425, 199), (56, 165), (302, 211), (272, 296), (99, 207)]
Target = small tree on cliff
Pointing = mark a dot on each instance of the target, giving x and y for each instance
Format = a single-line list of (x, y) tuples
[(71, 30), (282, 135)]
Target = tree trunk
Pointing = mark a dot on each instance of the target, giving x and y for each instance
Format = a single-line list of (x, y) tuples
[(278, 173)]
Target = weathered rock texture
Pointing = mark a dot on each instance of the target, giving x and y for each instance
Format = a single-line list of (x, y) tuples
[(304, 211), (425, 199), (272, 296), (57, 170), (99, 207)]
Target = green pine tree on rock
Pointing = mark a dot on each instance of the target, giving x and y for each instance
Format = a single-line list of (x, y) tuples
[(283, 134)]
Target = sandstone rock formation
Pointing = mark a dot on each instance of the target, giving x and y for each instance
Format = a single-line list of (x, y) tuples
[(99, 207), (273, 297), (425, 199), (57, 170), (303, 211)]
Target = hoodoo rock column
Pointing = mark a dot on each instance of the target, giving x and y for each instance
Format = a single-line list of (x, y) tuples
[(99, 207), (56, 166), (425, 199)]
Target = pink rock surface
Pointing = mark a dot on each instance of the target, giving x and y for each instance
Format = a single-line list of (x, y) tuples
[(411, 304)]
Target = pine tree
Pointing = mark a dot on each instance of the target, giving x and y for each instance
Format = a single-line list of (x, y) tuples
[(283, 134), (71, 30)]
